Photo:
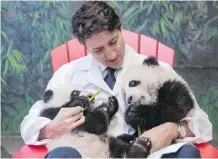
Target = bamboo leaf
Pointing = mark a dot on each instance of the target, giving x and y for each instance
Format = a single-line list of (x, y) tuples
[(171, 8), (18, 55), (5, 68), (140, 28), (212, 32), (150, 9), (36, 15), (178, 18), (47, 55), (129, 11), (4, 35), (115, 4), (197, 35), (60, 23), (165, 5), (200, 4), (163, 28), (141, 4), (9, 48)]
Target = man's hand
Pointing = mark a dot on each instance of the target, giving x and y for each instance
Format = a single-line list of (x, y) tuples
[(162, 135), (66, 120)]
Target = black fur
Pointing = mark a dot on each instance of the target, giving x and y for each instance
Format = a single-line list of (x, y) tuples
[(151, 61), (97, 122), (47, 95)]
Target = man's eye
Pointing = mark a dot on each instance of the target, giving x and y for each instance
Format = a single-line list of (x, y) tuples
[(134, 83), (98, 51), (113, 42)]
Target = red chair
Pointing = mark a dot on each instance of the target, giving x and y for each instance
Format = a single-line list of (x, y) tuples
[(142, 44)]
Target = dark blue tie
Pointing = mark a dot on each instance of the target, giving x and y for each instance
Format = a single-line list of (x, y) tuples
[(110, 78)]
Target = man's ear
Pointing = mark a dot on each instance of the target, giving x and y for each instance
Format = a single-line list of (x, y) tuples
[(151, 61)]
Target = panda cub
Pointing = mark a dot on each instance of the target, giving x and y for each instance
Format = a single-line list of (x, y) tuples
[(155, 95), (91, 138)]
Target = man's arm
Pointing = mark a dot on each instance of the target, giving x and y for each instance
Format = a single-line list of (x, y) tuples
[(32, 122)]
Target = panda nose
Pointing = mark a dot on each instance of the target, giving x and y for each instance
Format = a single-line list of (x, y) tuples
[(130, 100)]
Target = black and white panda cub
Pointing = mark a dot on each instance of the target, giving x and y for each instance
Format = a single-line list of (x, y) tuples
[(155, 95), (91, 138)]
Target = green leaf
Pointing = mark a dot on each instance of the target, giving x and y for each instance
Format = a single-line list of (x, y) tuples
[(141, 4), (139, 29), (171, 8), (36, 15), (200, 4), (197, 35), (150, 9), (4, 35), (165, 5), (116, 4), (212, 33), (5, 68), (60, 23), (163, 27), (129, 11), (9, 48), (18, 55), (47, 55), (178, 18)]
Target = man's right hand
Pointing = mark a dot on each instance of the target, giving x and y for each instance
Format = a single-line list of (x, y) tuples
[(66, 120)]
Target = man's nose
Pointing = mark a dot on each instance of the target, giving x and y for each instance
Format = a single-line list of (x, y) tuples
[(111, 55)]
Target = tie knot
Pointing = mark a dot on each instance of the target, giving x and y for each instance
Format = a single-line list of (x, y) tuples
[(110, 70)]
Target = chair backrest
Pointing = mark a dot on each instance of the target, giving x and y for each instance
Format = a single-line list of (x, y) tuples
[(142, 44)]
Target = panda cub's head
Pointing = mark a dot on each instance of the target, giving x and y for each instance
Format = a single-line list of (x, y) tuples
[(65, 95), (141, 82)]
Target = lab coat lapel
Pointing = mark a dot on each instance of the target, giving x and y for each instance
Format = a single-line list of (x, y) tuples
[(95, 76)]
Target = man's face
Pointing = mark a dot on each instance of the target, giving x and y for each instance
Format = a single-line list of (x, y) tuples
[(108, 48)]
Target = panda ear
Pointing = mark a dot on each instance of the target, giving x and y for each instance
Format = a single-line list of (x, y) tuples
[(151, 61), (75, 93), (47, 95)]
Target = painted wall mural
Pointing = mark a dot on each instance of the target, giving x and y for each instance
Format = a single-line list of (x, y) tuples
[(30, 30)]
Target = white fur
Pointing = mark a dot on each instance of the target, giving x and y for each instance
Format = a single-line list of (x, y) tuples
[(61, 95), (89, 145), (152, 78)]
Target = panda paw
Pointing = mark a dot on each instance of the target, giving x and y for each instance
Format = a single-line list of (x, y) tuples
[(112, 105), (112, 100), (139, 148), (144, 141)]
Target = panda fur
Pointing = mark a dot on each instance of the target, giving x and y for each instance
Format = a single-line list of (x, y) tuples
[(91, 138), (155, 95)]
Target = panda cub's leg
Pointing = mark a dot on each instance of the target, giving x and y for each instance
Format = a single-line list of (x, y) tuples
[(139, 148), (98, 120)]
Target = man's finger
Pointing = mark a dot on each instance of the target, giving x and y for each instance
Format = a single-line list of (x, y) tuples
[(73, 111), (77, 123), (72, 119)]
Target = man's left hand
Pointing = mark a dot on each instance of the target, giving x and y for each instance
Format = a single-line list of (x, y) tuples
[(161, 136)]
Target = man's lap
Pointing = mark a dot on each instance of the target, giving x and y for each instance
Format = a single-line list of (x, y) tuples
[(186, 151)]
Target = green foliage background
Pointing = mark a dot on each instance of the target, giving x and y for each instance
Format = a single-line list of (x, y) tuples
[(31, 29)]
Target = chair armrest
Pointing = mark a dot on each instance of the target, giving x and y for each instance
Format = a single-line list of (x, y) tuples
[(31, 151)]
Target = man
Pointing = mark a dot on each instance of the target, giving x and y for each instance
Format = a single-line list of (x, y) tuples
[(98, 27)]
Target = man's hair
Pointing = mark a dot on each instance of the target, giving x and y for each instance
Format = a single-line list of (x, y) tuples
[(94, 17)]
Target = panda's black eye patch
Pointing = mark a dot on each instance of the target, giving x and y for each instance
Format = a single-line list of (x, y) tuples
[(76, 93), (134, 83), (47, 95)]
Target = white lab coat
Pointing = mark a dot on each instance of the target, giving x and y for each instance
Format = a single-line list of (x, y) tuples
[(86, 72)]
